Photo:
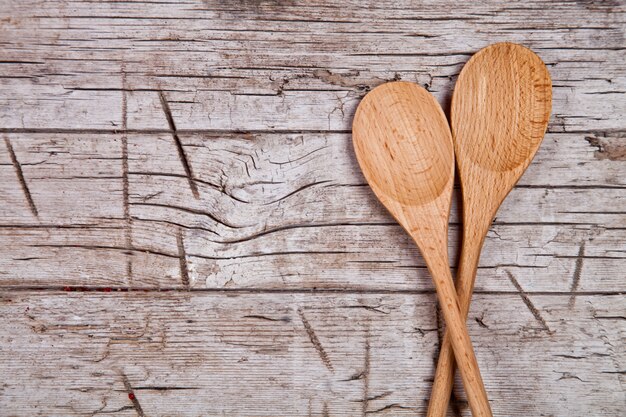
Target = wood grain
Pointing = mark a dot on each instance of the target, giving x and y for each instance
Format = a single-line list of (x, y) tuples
[(262, 96)]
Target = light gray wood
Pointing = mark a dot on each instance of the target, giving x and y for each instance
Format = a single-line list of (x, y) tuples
[(264, 222), (96, 195), (268, 354)]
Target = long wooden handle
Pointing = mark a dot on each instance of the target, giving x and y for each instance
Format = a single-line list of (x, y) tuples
[(466, 276), (458, 337)]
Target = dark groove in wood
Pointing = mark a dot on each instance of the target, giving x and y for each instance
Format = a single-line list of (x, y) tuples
[(195, 180), (311, 291), (184, 270), (83, 131), (191, 211), (366, 373), (20, 177), (131, 396), (179, 146), (315, 341), (551, 131), (128, 237), (577, 273), (105, 247), (531, 307)]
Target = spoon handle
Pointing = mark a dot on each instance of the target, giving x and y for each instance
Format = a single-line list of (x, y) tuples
[(466, 276), (459, 337)]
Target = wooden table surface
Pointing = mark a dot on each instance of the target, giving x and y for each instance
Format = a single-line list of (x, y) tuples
[(184, 230)]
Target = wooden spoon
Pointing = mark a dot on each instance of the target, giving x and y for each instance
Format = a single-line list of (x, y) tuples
[(404, 147), (500, 110)]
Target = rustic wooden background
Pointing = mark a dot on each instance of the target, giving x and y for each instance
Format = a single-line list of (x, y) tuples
[(184, 229)]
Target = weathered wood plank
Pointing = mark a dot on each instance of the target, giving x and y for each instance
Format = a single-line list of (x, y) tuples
[(545, 258), (579, 105), (282, 211), (288, 67), (298, 354)]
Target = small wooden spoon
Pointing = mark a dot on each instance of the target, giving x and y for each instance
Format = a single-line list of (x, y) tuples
[(404, 147), (500, 110)]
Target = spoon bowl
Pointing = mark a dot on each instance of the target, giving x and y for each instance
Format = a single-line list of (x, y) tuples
[(506, 90), (412, 165)]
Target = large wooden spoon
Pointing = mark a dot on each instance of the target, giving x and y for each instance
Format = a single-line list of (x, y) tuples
[(500, 110), (404, 147)]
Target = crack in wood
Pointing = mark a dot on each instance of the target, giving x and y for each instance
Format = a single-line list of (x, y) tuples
[(104, 247), (162, 388), (179, 146), (394, 406), (182, 257), (379, 396), (569, 375), (314, 290), (219, 188), (131, 396), (117, 410), (20, 177), (265, 254), (128, 237), (366, 372), (304, 187), (481, 322), (375, 309), (97, 131), (440, 329), (266, 318), (577, 274), (531, 307), (191, 211), (315, 341), (303, 226), (172, 223), (270, 131)]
